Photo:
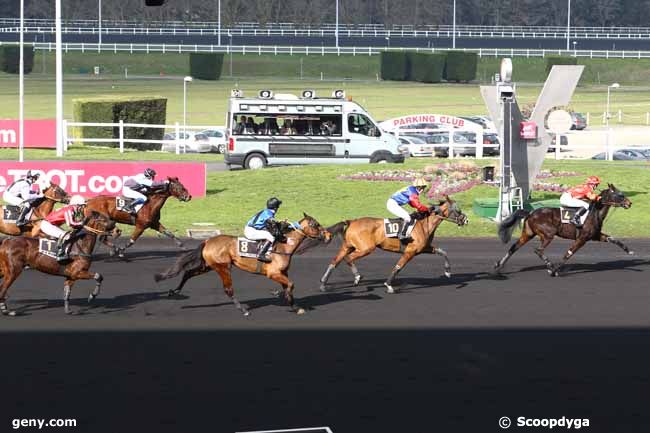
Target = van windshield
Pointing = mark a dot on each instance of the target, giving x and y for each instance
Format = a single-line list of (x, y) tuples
[(286, 124)]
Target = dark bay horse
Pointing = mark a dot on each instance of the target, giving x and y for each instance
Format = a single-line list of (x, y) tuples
[(546, 223), (18, 252), (220, 253), (51, 195), (149, 214), (363, 235)]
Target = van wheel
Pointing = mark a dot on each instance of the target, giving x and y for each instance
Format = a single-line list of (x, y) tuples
[(221, 148), (379, 159), (255, 161)]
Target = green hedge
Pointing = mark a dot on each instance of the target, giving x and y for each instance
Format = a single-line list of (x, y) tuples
[(559, 60), (394, 66), (11, 59), (460, 66), (427, 68), (143, 110), (206, 66)]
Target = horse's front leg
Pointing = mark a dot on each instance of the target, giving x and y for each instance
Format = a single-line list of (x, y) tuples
[(137, 232), (579, 243), (406, 257), (162, 229), (287, 285), (607, 238)]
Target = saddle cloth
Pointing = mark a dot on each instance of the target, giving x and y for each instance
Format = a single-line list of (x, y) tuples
[(11, 213), (392, 227), (247, 247), (567, 213), (47, 247), (122, 202)]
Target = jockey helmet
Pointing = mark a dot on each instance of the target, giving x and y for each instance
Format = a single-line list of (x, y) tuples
[(593, 180), (150, 173), (273, 203), (77, 200), (32, 176), (420, 182)]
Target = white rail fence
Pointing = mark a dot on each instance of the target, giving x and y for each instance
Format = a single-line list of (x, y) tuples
[(323, 50)]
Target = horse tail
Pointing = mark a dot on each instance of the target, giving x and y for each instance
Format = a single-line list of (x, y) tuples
[(507, 226), (188, 261)]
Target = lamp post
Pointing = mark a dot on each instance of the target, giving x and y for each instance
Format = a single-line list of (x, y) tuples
[(336, 31), (186, 80), (219, 23), (59, 79), (575, 51), (99, 21), (230, 49), (453, 31), (568, 24), (613, 86)]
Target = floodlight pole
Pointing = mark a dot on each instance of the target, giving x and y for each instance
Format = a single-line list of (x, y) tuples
[(59, 79), (453, 36), (99, 22), (21, 86), (336, 31), (568, 24), (219, 23)]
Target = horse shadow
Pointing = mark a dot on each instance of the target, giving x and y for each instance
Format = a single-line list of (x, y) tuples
[(309, 302), (587, 268), (138, 256)]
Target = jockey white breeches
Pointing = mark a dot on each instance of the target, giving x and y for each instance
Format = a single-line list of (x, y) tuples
[(12, 199), (568, 201), (257, 235), (51, 230), (397, 210), (129, 193)]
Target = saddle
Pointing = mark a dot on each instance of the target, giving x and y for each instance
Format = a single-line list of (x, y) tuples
[(11, 213), (567, 213)]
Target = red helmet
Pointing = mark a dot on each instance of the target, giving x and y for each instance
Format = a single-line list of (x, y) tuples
[(593, 180)]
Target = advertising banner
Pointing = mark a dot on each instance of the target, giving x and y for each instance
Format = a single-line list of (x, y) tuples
[(39, 133), (103, 178)]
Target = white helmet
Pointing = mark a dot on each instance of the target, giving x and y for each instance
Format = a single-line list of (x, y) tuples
[(77, 200)]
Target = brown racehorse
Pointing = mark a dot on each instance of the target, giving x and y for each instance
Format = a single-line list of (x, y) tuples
[(51, 195), (149, 214), (220, 253), (363, 235), (546, 224), (18, 252)]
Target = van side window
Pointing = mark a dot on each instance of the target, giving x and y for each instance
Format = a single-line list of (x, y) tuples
[(360, 124)]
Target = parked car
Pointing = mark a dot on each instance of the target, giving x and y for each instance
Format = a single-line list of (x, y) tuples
[(626, 155), (416, 146), (420, 127), (564, 141), (484, 121), (217, 139), (579, 121), (188, 142)]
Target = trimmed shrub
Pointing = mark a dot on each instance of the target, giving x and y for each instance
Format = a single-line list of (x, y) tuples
[(460, 66), (206, 66), (394, 66), (428, 68), (143, 110), (559, 60), (11, 59)]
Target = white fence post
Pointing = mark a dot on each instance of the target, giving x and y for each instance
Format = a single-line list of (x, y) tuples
[(588, 118), (647, 118), (620, 116), (64, 128), (479, 145), (178, 133), (558, 143), (121, 136)]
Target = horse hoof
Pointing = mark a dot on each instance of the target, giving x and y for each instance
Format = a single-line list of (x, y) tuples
[(171, 294), (300, 311), (357, 279), (323, 288), (276, 293), (10, 313), (246, 313), (389, 288), (91, 298), (630, 253), (447, 274)]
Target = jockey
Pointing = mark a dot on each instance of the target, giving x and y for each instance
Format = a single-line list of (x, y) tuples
[(257, 228), (135, 186), (23, 193), (72, 215), (574, 197), (410, 195)]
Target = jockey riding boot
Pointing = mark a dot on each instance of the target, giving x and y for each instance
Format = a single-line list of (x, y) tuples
[(578, 216), (22, 218), (263, 249), (405, 228), (61, 247)]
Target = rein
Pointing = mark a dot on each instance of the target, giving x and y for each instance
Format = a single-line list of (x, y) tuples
[(95, 231)]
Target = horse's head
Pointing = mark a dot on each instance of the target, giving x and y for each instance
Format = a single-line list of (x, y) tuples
[(449, 209), (55, 193), (613, 197), (176, 189), (98, 222), (312, 229)]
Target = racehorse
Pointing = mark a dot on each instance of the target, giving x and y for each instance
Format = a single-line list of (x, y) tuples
[(18, 252), (147, 217), (219, 253), (51, 195), (363, 235), (546, 223)]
